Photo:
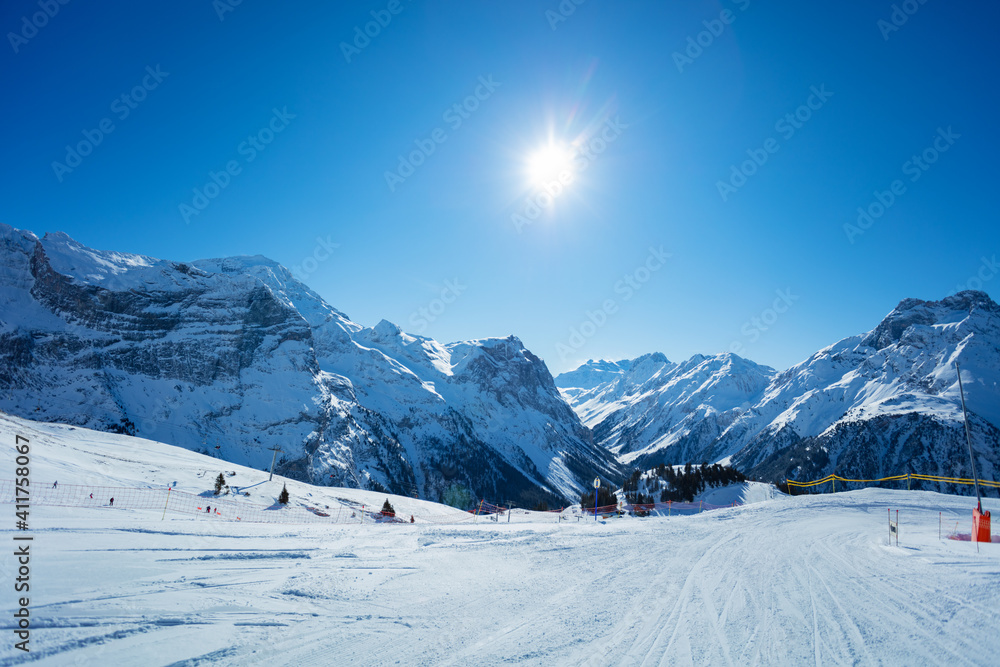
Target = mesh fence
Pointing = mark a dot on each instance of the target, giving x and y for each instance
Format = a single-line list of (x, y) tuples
[(235, 508)]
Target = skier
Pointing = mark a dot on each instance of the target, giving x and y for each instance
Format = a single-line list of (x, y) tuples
[(92, 496), (55, 484), (208, 509), (112, 502)]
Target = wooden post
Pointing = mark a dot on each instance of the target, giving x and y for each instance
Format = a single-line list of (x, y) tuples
[(165, 505), (907, 484)]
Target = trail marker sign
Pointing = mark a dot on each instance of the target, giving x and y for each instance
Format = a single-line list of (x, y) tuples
[(597, 485)]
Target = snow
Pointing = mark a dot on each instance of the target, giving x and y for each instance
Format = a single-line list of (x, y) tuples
[(784, 580)]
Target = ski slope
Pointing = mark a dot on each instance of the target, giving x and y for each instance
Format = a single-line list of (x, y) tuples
[(808, 579)]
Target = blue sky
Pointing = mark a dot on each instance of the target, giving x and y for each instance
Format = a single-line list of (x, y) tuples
[(655, 244)]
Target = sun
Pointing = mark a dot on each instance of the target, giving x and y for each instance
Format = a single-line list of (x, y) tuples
[(549, 163)]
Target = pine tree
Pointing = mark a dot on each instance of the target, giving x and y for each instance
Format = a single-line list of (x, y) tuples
[(283, 497), (605, 498), (387, 509), (220, 482)]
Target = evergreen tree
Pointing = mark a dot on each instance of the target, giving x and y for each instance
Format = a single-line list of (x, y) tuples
[(220, 482), (387, 509), (689, 482), (283, 497), (457, 496), (605, 498)]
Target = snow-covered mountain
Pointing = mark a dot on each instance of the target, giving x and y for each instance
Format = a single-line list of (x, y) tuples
[(235, 357), (883, 402), (654, 407)]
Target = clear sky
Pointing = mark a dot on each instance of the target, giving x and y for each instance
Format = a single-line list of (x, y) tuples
[(714, 152)]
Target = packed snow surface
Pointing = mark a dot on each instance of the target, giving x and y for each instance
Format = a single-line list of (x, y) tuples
[(782, 580)]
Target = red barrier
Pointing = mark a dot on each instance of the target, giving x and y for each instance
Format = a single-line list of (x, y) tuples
[(980, 525)]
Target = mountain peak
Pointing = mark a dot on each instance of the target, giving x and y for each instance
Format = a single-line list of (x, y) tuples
[(652, 358), (386, 329), (915, 312)]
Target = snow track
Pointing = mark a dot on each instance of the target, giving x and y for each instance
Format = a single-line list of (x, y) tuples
[(807, 580), (803, 580)]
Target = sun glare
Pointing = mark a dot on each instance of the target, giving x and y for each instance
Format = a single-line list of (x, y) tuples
[(549, 162)]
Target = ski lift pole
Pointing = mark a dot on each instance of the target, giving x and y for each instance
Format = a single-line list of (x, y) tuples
[(968, 439), (275, 449)]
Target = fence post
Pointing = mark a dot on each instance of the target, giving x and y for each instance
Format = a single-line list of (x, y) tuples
[(907, 481), (165, 505), (833, 483)]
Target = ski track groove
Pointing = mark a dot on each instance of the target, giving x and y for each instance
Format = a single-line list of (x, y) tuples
[(816, 635), (910, 603), (721, 590), (677, 614)]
